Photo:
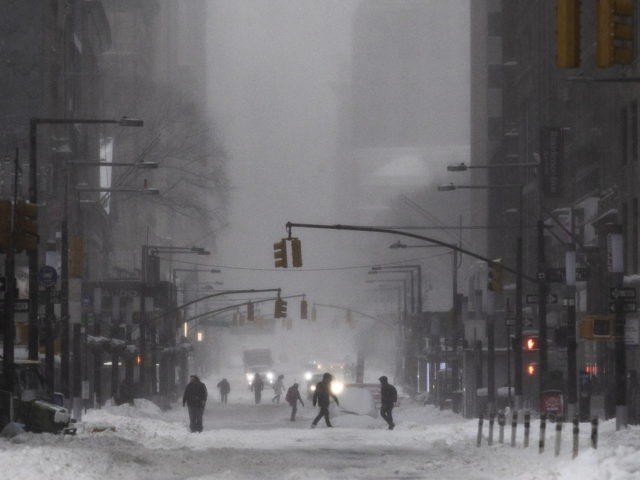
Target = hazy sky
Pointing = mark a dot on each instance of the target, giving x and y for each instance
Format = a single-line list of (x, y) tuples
[(275, 67)]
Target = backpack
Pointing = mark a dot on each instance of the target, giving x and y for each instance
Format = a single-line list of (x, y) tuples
[(292, 395)]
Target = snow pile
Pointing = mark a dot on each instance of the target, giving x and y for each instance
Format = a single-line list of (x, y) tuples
[(617, 458), (246, 441)]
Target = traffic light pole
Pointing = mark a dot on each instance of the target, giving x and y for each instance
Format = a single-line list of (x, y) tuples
[(9, 295), (542, 310), (32, 255), (355, 228)]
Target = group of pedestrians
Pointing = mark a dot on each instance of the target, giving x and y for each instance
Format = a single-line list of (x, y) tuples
[(195, 398)]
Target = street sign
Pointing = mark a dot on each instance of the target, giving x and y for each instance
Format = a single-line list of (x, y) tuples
[(532, 298), (627, 307), (47, 276), (559, 275), (626, 293), (19, 305)]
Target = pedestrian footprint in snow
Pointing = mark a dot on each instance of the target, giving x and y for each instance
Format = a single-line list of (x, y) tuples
[(388, 397), (195, 397), (293, 397), (322, 396), (225, 388), (278, 388), (256, 387)]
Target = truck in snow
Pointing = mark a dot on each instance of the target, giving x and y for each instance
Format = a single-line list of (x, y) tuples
[(258, 360)]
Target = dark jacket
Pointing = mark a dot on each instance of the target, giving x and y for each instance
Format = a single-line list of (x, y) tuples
[(293, 395), (388, 394), (322, 395), (257, 385), (195, 395), (224, 386)]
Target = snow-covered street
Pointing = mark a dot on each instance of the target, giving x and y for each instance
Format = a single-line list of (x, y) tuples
[(245, 441)]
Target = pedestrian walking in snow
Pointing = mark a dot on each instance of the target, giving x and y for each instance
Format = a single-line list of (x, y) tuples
[(225, 388), (278, 388), (195, 398), (388, 397), (322, 397), (293, 397), (256, 387)]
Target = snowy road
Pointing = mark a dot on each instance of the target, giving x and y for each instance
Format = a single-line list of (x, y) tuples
[(245, 441)]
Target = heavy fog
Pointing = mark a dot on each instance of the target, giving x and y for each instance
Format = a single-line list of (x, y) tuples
[(338, 112)]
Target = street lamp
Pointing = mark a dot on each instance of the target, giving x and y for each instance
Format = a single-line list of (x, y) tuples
[(34, 254)]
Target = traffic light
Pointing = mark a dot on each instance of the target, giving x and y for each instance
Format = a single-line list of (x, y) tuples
[(530, 343), (280, 253), (303, 309), (296, 252), (495, 277), (76, 256), (568, 33), (26, 226), (615, 33), (250, 312), (5, 224), (281, 309), (531, 369)]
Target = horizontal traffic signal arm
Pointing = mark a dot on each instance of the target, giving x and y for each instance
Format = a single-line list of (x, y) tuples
[(347, 309), (238, 305), (217, 294), (356, 228)]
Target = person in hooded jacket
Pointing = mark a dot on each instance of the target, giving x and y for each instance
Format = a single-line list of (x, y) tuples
[(322, 397), (388, 397), (256, 387), (293, 397), (195, 397), (278, 388)]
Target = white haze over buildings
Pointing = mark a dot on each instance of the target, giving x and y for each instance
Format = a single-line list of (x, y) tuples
[(281, 88)]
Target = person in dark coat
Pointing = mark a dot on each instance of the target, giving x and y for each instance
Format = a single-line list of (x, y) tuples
[(256, 387), (225, 388), (293, 397), (388, 397), (322, 397), (195, 397)]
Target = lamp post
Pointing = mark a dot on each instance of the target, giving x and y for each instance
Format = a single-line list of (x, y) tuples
[(78, 330), (518, 364), (34, 123), (416, 323), (148, 252), (195, 270), (519, 314), (402, 315)]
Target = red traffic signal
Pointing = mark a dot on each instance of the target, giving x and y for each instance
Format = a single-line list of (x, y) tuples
[(530, 343)]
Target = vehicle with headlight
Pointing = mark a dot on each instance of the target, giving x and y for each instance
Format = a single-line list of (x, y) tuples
[(258, 360), (337, 385), (33, 405)]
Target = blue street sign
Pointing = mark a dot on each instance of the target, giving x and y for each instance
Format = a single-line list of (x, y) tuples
[(47, 276)]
